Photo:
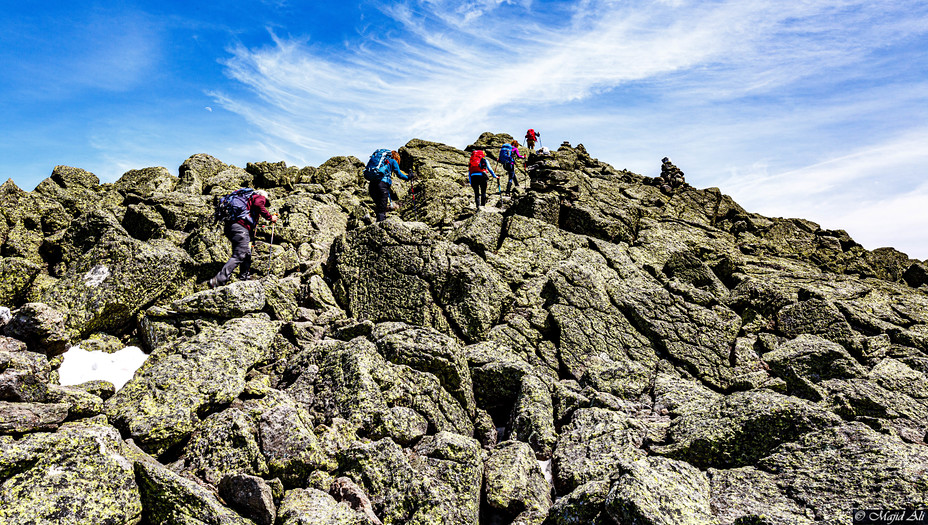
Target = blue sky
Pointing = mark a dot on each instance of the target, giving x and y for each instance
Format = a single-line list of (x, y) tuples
[(812, 109)]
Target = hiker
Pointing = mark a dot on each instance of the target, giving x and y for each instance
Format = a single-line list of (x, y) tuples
[(530, 136), (477, 170), (381, 165), (241, 233), (507, 156)]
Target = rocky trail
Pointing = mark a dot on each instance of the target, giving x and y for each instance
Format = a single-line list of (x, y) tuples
[(671, 359)]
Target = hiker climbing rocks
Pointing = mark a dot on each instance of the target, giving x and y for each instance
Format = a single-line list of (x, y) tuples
[(530, 137), (246, 207), (381, 165), (671, 176), (508, 154), (477, 170)]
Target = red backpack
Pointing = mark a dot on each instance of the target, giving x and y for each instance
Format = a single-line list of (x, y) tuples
[(474, 165), (530, 134)]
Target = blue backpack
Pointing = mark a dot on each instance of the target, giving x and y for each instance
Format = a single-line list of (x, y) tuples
[(234, 206), (377, 165), (505, 154)]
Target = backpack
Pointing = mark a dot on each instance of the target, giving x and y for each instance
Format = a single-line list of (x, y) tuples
[(505, 154), (474, 165), (530, 134), (234, 206), (377, 164)]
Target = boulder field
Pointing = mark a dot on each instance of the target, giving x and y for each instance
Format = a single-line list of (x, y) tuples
[(589, 350)]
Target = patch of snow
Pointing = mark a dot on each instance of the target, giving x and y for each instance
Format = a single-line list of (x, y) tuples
[(546, 470), (96, 275), (5, 315), (80, 365)]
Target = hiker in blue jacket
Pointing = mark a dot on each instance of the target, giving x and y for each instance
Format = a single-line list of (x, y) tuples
[(379, 187), (507, 156)]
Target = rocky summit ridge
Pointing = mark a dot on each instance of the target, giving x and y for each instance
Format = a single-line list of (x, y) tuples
[(591, 350)]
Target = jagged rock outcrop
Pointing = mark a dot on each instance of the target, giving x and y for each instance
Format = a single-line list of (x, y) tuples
[(591, 350)]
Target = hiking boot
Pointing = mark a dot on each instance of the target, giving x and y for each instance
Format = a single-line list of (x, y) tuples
[(245, 277), (212, 283)]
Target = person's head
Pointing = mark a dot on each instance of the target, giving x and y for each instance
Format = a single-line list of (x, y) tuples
[(514, 143), (263, 194), (395, 155)]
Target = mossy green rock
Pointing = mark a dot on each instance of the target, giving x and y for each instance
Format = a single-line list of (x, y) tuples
[(24, 375), (593, 445), (287, 439), (754, 496), (850, 466), (146, 181), (225, 443), (312, 506), (16, 275), (394, 271), (108, 285), (77, 475), (514, 481), (660, 491), (169, 498), (532, 418), (21, 418), (742, 428), (428, 351), (230, 301), (159, 407)]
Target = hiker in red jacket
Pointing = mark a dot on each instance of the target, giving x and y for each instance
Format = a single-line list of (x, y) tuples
[(530, 136), (477, 170), (241, 232)]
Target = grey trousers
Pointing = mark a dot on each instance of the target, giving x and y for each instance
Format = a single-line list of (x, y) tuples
[(241, 252)]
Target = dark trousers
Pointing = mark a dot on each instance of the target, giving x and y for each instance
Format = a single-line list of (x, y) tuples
[(478, 181), (241, 252), (380, 193), (511, 170), (530, 143)]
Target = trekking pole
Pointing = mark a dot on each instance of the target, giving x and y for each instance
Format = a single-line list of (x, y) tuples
[(273, 227)]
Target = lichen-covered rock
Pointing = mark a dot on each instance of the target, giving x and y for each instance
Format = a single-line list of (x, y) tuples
[(169, 498), (514, 482), (146, 181), (24, 375), (849, 466), (593, 445), (428, 351), (532, 418), (660, 491), (742, 428), (40, 326), (21, 418), (233, 300), (16, 275), (287, 439), (453, 467), (312, 506), (225, 443), (393, 271), (748, 495), (79, 474), (80, 403), (584, 505), (108, 285), (159, 407), (250, 496), (811, 359)]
